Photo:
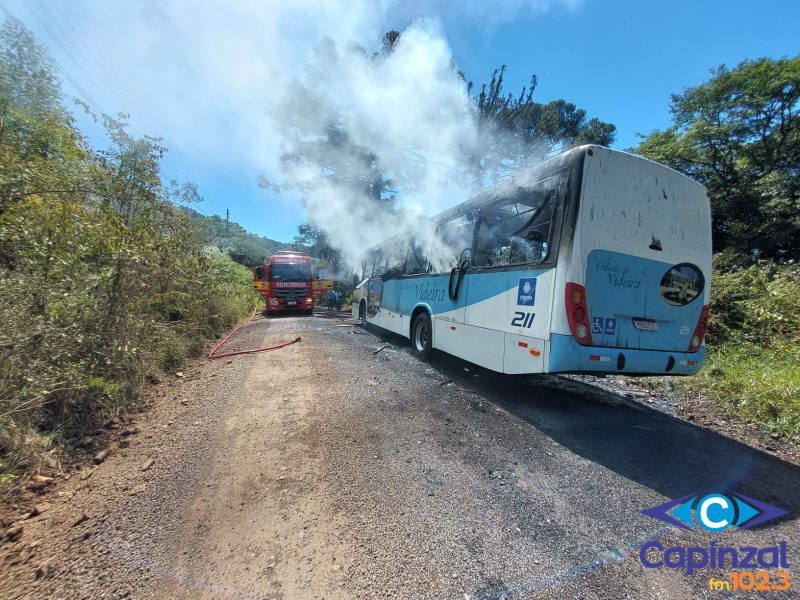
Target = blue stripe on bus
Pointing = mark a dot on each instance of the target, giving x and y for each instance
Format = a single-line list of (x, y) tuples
[(432, 290)]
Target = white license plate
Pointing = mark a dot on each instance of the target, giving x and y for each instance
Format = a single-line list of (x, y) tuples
[(291, 302), (645, 324)]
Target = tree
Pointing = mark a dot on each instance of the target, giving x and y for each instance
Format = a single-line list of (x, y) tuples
[(315, 242), (739, 135), (515, 132), (40, 148), (102, 278), (331, 157)]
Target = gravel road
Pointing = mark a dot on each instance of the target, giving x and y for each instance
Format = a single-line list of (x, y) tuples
[(325, 470)]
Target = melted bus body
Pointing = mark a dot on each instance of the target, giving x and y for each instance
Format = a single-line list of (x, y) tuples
[(597, 261)]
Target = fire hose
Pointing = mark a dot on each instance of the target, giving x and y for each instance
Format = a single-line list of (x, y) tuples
[(212, 353)]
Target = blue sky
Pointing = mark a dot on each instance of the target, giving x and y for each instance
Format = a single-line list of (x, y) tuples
[(201, 77)]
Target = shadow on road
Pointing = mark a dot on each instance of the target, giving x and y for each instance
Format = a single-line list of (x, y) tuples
[(664, 453)]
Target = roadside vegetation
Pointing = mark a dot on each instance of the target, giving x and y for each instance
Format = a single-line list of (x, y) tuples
[(104, 283), (242, 246), (739, 135), (108, 279), (753, 366)]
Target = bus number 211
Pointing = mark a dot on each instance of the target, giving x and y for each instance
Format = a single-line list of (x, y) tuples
[(522, 319)]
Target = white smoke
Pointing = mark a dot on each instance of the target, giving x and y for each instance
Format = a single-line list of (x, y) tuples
[(405, 113), (215, 80)]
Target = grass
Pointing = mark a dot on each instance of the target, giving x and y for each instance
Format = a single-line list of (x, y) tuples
[(755, 385), (752, 368)]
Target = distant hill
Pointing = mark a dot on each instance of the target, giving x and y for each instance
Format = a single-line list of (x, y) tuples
[(244, 247)]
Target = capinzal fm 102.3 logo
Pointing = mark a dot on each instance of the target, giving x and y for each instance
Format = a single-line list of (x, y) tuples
[(715, 512)]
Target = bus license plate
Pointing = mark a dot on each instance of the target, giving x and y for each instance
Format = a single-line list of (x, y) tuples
[(645, 324), (291, 302)]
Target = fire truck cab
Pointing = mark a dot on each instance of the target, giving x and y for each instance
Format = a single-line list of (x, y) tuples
[(285, 282)]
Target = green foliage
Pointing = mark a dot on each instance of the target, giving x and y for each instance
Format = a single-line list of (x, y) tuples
[(739, 135), (40, 150), (515, 131), (103, 280), (756, 305), (753, 366), (315, 242), (242, 246)]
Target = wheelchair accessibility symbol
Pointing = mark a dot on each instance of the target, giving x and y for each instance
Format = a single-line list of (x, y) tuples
[(604, 325)]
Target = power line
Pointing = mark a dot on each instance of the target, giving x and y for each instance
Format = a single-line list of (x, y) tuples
[(66, 75), (101, 83), (85, 40)]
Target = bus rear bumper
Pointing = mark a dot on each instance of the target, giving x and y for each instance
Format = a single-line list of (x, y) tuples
[(568, 356)]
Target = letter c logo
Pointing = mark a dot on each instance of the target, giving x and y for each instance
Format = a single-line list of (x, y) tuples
[(715, 512)]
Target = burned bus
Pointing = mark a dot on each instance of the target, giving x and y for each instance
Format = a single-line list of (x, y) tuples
[(596, 261)]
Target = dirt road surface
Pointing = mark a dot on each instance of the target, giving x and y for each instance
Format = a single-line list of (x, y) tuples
[(325, 470)]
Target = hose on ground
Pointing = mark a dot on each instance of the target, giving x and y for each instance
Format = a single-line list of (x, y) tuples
[(213, 355)]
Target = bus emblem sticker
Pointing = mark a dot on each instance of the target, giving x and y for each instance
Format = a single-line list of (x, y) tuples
[(681, 284), (611, 326), (526, 293)]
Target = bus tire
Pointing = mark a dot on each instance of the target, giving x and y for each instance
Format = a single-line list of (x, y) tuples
[(362, 310), (422, 336)]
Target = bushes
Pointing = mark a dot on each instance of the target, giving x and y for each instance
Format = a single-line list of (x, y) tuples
[(753, 366), (756, 304), (90, 306), (102, 278)]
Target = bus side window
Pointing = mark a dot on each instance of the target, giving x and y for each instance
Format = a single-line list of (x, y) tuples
[(416, 260), (450, 241), (377, 263), (516, 230), (394, 252)]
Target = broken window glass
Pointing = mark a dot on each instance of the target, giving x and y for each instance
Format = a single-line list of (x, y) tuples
[(516, 230), (416, 259), (451, 239)]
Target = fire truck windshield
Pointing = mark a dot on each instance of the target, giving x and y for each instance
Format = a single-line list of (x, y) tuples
[(290, 272)]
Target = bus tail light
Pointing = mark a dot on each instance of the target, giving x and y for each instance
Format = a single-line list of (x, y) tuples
[(577, 313), (700, 331)]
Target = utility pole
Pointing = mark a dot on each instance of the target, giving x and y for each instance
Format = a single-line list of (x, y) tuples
[(227, 219)]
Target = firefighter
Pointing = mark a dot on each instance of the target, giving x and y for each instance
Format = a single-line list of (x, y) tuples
[(331, 296)]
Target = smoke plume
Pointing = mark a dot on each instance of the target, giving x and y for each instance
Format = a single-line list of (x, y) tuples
[(360, 125)]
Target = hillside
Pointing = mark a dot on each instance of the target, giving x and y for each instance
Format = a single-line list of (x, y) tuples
[(242, 246)]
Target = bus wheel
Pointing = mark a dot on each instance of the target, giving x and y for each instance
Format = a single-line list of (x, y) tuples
[(362, 310), (421, 338)]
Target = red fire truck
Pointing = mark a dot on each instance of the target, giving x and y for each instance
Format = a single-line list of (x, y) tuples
[(285, 282)]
